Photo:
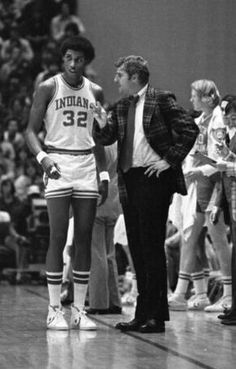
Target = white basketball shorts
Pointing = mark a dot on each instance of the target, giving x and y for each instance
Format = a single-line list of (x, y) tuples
[(78, 177)]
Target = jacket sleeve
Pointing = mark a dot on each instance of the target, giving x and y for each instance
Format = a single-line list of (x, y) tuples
[(181, 126)]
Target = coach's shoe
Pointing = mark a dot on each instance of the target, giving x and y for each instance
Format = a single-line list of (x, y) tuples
[(229, 321), (177, 302), (199, 302), (79, 320), (228, 314), (223, 303), (152, 326), (56, 319), (133, 325)]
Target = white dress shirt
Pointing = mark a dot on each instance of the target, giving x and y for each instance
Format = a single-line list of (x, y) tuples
[(143, 154)]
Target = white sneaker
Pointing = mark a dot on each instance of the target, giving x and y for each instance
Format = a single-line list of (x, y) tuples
[(199, 302), (223, 303), (177, 302), (79, 320), (56, 319)]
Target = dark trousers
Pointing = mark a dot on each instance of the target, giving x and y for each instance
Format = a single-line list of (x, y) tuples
[(145, 216)]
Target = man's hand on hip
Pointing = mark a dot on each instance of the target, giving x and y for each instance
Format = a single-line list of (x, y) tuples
[(157, 167)]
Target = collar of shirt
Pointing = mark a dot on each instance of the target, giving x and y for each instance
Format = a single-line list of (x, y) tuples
[(142, 92)]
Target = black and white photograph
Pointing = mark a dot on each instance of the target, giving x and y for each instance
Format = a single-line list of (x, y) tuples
[(117, 184)]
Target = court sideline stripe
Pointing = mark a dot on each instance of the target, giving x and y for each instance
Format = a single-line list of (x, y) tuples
[(157, 345)]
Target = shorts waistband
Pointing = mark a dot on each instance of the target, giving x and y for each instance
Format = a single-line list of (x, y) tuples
[(54, 150)]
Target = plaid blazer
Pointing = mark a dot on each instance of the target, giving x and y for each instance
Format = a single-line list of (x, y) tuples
[(169, 129)]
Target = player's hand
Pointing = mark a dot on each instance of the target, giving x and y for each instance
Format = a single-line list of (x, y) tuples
[(157, 167), (51, 168), (99, 114), (103, 191)]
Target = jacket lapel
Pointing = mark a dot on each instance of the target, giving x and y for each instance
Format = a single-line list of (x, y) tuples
[(149, 107)]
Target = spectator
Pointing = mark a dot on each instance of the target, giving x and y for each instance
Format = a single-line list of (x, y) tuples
[(35, 29), (51, 66), (16, 64), (15, 39), (60, 21), (7, 155), (12, 135), (18, 212)]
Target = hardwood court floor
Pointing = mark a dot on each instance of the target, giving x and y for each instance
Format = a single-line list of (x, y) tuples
[(192, 340)]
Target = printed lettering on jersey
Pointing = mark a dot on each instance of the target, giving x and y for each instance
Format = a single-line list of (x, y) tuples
[(73, 117), (76, 101)]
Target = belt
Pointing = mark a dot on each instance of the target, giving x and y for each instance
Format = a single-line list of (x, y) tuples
[(54, 150)]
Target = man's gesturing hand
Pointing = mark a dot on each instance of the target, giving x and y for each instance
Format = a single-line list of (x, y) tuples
[(99, 114)]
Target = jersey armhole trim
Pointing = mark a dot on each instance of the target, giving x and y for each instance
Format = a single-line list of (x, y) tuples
[(55, 92)]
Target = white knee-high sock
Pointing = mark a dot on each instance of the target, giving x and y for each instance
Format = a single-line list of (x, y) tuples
[(199, 282), (81, 280), (54, 281), (227, 285), (206, 272), (182, 284)]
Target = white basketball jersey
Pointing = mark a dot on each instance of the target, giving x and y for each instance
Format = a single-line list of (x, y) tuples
[(69, 119)]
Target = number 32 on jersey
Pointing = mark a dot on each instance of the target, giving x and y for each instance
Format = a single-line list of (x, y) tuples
[(71, 118)]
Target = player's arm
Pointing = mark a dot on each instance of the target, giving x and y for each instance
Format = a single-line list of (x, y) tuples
[(42, 97)]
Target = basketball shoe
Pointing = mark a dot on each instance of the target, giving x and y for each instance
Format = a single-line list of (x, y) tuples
[(223, 303), (199, 302), (79, 320), (56, 319)]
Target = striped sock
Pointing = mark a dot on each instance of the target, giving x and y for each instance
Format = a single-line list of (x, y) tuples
[(182, 284), (227, 285), (199, 282), (54, 281), (81, 280), (206, 272)]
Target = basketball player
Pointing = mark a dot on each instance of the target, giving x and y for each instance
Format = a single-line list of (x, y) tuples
[(63, 103)]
